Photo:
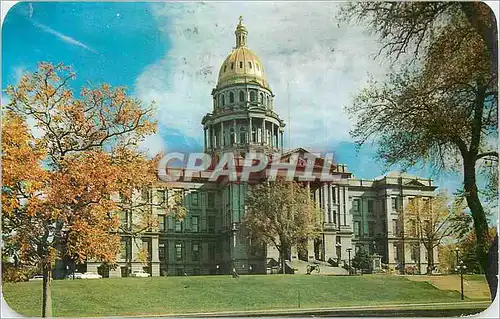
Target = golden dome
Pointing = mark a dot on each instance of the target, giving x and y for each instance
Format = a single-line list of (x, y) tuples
[(242, 65)]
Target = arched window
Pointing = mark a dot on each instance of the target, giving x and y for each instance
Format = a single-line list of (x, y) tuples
[(232, 65), (250, 65), (268, 101), (231, 97), (242, 96), (261, 98), (225, 67), (223, 100), (241, 64), (252, 96)]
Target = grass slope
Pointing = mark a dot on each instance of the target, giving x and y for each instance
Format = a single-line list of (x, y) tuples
[(160, 295)]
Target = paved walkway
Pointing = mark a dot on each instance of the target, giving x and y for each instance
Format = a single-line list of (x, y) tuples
[(398, 310), (473, 288)]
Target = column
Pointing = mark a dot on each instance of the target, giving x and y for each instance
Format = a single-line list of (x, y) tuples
[(221, 134), (155, 262), (205, 139), (272, 135), (330, 202), (324, 198), (235, 138), (316, 198), (250, 136), (281, 142), (263, 135)]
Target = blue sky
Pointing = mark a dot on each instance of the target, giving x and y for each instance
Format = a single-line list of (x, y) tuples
[(171, 53)]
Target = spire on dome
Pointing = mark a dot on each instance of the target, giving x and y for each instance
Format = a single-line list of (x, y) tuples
[(241, 34)]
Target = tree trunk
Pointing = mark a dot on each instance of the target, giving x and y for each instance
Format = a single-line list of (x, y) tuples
[(480, 223), (430, 260), (47, 290)]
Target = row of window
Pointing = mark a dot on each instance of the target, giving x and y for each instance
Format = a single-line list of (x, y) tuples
[(191, 198), (230, 137), (180, 251), (357, 228), (241, 65), (396, 204), (254, 97), (179, 225)]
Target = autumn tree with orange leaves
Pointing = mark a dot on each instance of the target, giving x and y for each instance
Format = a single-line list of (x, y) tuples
[(59, 192)]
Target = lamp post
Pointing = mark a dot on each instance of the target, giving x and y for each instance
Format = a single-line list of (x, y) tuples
[(217, 269), (461, 267), (349, 252), (457, 252)]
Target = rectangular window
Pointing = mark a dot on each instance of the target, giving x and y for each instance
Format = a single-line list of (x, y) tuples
[(178, 226), (211, 199), (355, 205), (370, 206), (161, 222), (395, 227), (413, 228), (241, 64), (357, 229), (394, 202), (211, 224), (194, 224), (161, 251), (126, 248), (194, 199), (371, 228), (179, 251), (396, 252), (195, 253), (414, 253), (232, 65)]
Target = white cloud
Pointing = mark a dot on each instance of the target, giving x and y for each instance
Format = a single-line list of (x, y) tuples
[(63, 37), (298, 43)]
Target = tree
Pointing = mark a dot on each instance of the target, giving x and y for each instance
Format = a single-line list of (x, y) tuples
[(282, 214), (58, 190), (467, 250), (361, 260), (442, 108), (432, 220)]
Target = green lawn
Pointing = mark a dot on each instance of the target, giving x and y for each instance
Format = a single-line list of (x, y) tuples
[(162, 295)]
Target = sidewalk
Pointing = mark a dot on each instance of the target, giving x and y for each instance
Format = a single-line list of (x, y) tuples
[(399, 310)]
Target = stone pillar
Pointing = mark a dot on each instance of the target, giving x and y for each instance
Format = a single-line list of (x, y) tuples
[(329, 246), (250, 136), (263, 135), (324, 199), (221, 135), (205, 139), (272, 135), (282, 146), (330, 203), (235, 138), (310, 249)]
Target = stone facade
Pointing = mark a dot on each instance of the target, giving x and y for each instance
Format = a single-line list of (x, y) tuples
[(356, 213)]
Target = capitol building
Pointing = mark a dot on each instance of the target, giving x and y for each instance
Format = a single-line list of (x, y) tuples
[(356, 213)]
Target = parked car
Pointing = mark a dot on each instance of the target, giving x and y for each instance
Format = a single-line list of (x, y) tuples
[(139, 273), (36, 277), (90, 275), (78, 275)]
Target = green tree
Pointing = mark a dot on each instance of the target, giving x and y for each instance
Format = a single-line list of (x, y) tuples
[(282, 214), (361, 260), (441, 109)]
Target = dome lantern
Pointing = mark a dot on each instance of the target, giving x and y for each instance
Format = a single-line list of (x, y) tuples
[(241, 34)]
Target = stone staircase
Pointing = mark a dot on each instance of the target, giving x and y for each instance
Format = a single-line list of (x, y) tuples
[(325, 268)]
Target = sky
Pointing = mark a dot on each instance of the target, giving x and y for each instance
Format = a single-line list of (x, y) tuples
[(171, 53)]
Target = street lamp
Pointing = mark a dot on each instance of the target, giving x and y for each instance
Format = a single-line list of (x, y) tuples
[(217, 269), (457, 251), (461, 267), (349, 252)]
